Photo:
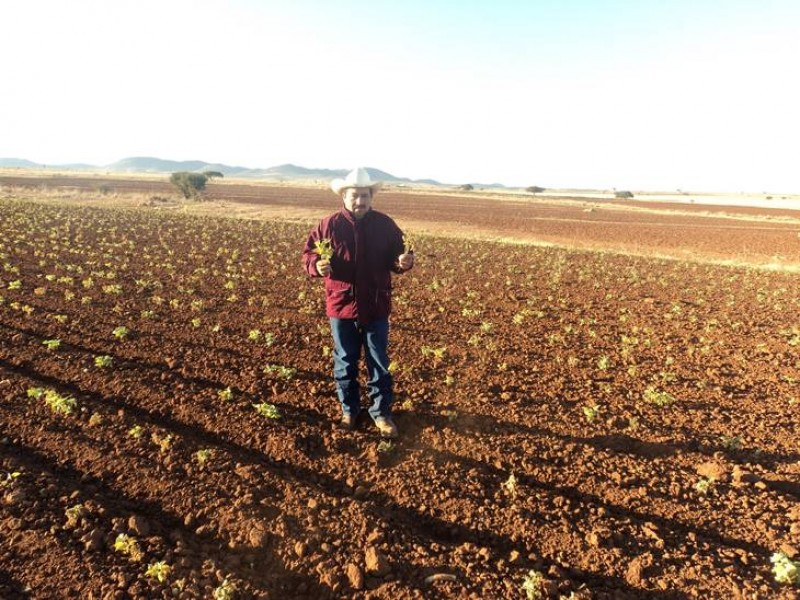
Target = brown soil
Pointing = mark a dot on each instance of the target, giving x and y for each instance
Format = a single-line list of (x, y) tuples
[(646, 408)]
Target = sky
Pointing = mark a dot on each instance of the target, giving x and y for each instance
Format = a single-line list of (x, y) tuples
[(699, 95)]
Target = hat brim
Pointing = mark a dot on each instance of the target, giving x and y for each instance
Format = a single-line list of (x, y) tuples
[(339, 185)]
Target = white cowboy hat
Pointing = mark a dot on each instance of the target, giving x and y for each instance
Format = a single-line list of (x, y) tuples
[(357, 178)]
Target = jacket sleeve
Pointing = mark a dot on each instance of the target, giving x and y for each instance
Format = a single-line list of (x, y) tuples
[(309, 256), (397, 248)]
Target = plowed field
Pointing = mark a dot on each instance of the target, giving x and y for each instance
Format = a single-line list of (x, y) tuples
[(579, 423)]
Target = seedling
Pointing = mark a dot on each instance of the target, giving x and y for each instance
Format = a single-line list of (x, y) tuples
[(75, 514), (254, 335), (510, 486), (9, 479), (103, 362), (136, 431), (203, 455), (51, 344), (35, 393), (591, 412), (268, 410), (225, 590), (158, 570), (120, 332), (386, 446), (127, 545), (785, 569), (732, 443), (281, 371), (64, 405), (226, 394), (164, 443), (532, 585), (323, 248), (704, 486), (653, 396)]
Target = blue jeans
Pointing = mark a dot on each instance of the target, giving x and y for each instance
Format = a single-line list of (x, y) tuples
[(349, 337)]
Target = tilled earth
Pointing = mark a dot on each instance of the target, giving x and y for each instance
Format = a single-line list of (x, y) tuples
[(583, 424)]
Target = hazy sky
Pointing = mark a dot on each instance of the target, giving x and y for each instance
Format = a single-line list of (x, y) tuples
[(636, 94)]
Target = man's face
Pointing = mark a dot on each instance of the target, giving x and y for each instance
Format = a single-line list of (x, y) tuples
[(358, 201)]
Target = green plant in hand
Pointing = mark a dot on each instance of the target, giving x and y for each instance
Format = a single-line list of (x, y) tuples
[(323, 249)]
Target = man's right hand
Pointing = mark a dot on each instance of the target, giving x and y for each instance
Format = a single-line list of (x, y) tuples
[(324, 267)]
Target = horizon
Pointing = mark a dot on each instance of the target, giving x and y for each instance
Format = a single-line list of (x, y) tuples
[(570, 94)]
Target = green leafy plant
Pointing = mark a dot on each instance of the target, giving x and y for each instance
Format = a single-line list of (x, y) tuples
[(323, 249), (591, 412), (129, 546), (225, 590), (281, 371), (704, 486), (158, 570), (136, 431), (103, 362), (785, 569), (120, 332), (226, 394), (64, 405), (203, 455), (267, 410), (653, 396), (52, 344), (35, 393), (9, 478), (532, 585)]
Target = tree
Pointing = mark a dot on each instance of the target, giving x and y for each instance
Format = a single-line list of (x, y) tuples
[(466, 187), (190, 184), (535, 189), (623, 194), (213, 174)]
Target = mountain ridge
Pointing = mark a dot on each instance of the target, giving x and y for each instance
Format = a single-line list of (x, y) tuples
[(151, 164)]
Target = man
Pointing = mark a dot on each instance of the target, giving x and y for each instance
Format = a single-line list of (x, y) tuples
[(366, 247)]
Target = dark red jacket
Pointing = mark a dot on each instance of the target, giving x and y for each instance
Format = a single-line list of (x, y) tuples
[(365, 254)]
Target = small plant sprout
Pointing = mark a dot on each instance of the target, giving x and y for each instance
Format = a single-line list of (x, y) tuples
[(731, 442), (785, 569), (52, 344), (158, 570), (591, 412), (120, 332), (323, 249), (203, 455), (64, 405), (127, 545), (136, 431), (281, 371), (103, 362), (704, 486), (532, 585), (653, 396), (269, 339), (510, 486), (74, 514), (386, 447), (267, 410), (226, 394), (254, 335), (9, 478), (603, 363), (195, 323), (225, 590), (35, 393), (164, 443)]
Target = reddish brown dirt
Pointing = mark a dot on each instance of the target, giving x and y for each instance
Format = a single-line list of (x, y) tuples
[(604, 506)]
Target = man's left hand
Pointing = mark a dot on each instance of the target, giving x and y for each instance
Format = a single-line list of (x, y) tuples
[(405, 261)]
